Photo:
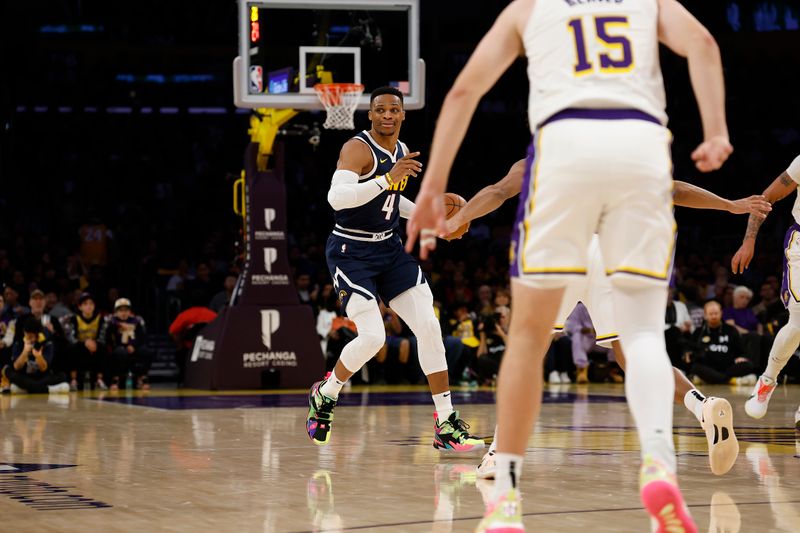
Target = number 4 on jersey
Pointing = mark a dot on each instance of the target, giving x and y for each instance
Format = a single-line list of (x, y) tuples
[(618, 55), (388, 206)]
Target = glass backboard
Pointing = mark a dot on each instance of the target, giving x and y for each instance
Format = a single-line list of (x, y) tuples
[(286, 47)]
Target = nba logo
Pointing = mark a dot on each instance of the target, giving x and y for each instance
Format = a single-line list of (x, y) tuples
[(256, 78)]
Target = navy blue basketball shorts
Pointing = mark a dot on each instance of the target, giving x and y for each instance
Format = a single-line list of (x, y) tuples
[(373, 269)]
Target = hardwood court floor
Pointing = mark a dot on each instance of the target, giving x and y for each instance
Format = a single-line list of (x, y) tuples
[(200, 461)]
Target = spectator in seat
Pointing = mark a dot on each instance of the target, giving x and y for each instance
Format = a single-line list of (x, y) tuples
[(770, 310), (30, 369), (123, 334), (37, 305), (718, 356), (493, 332), (13, 308), (223, 297), (678, 327), (199, 291), (81, 331), (742, 317)]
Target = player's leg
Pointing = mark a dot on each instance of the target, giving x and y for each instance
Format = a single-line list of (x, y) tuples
[(551, 236), (415, 307), (636, 238), (323, 395), (788, 338), (714, 414)]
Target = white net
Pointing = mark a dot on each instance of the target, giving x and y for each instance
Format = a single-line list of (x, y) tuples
[(340, 101)]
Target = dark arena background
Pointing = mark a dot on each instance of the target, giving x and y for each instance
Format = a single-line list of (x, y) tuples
[(131, 180)]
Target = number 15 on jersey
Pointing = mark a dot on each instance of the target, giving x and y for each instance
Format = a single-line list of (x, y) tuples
[(616, 55)]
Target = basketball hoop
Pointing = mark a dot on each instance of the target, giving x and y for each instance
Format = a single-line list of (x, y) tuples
[(340, 101)]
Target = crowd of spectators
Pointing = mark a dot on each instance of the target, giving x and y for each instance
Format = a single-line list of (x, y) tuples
[(44, 352)]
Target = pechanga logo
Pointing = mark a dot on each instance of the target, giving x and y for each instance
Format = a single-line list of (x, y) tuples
[(270, 322), (268, 234), (270, 256)]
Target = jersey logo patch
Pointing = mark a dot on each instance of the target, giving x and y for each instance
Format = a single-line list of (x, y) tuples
[(342, 295), (384, 160), (344, 248)]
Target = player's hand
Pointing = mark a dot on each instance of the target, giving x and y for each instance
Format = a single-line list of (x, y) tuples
[(406, 166), (451, 226), (712, 153), (427, 221), (742, 257), (755, 205)]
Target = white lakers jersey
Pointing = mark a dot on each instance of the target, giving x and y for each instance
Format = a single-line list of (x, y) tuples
[(593, 54), (794, 172)]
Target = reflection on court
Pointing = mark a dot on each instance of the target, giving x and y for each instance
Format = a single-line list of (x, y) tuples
[(195, 460)]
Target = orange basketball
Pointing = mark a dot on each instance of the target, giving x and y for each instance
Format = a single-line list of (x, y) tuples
[(452, 205)]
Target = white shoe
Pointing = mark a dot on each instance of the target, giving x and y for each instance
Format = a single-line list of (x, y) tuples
[(488, 467), (756, 406), (565, 378), (17, 390), (797, 418), (101, 385), (553, 377), (723, 448), (61, 388)]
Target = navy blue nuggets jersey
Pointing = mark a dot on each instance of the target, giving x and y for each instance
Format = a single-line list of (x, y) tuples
[(382, 213)]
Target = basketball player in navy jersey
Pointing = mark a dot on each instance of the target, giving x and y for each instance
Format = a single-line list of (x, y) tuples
[(367, 261), (713, 413)]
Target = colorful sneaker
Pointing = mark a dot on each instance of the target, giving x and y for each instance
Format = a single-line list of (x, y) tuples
[(452, 435), (320, 415), (756, 406), (504, 516), (662, 498), (488, 467), (723, 447)]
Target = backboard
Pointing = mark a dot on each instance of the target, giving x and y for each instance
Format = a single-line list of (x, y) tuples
[(287, 46)]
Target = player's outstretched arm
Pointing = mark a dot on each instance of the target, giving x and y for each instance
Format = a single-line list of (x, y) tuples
[(493, 55), (489, 198), (684, 35), (782, 187), (688, 195), (346, 192)]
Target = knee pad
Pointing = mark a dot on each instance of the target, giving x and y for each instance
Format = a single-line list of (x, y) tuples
[(367, 316), (415, 307)]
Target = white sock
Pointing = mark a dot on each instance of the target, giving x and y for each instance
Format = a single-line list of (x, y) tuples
[(693, 400), (509, 467), (785, 344), (332, 386), (649, 380), (444, 406), (493, 447)]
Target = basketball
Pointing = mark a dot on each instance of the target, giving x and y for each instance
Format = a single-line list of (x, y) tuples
[(452, 205)]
